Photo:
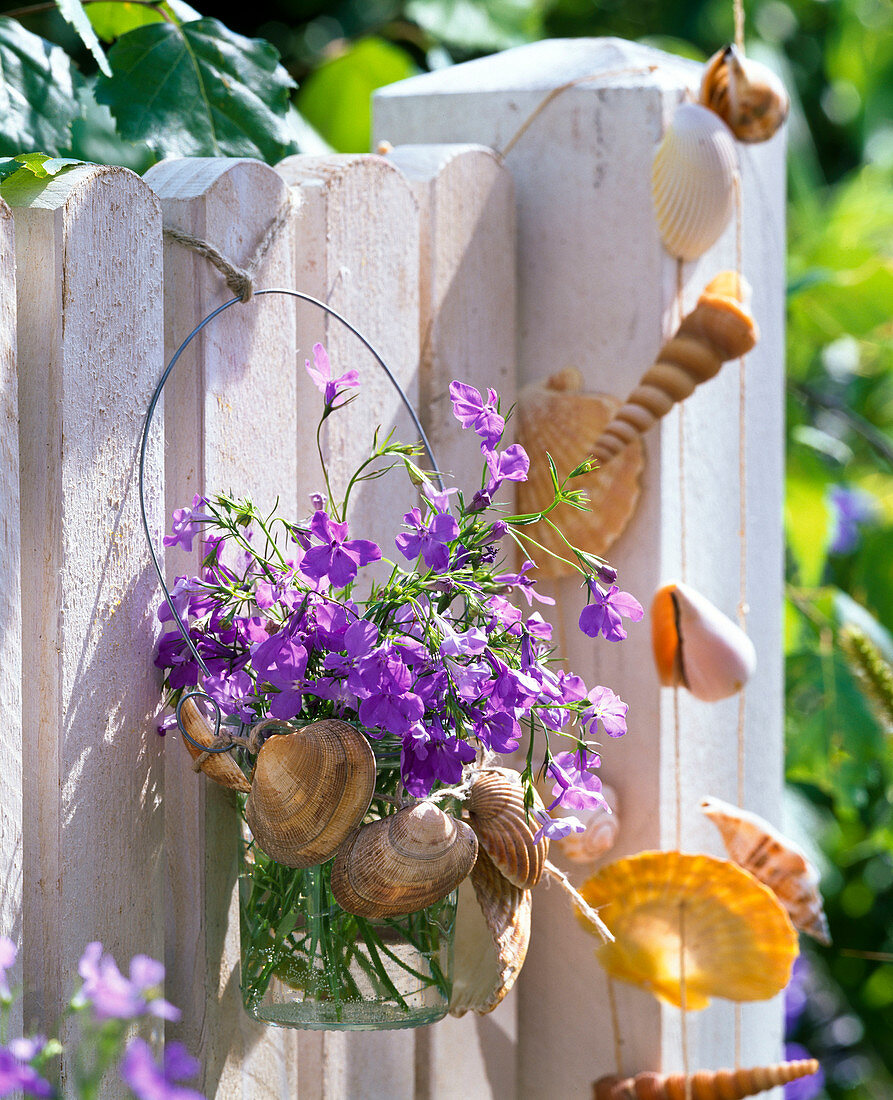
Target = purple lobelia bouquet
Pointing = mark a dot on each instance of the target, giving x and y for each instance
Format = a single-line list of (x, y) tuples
[(358, 695)]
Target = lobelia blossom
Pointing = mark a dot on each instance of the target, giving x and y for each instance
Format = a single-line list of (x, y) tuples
[(16, 1075), (607, 708), (184, 526), (554, 828), (321, 373), (150, 1081), (430, 540), (114, 997), (576, 787), (512, 464), (851, 508), (282, 662), (470, 409), (523, 584), (605, 614), (431, 758), (337, 559)]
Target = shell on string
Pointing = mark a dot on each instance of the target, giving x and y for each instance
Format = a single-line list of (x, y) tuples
[(697, 646), (219, 766), (718, 329), (773, 859), (599, 836), (492, 935), (738, 941), (693, 181), (403, 862), (495, 808), (310, 790), (557, 418), (706, 1084), (749, 98)]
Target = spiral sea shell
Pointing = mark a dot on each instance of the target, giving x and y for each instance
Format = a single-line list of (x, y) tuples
[(776, 861), (746, 95), (718, 1084), (219, 766), (719, 328), (403, 862), (496, 812), (310, 790), (693, 181)]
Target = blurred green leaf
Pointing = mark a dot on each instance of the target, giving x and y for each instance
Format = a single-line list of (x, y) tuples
[(72, 11), (113, 18), (476, 27)]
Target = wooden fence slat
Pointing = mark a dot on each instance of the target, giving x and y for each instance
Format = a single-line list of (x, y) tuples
[(232, 424), (89, 343), (10, 609), (467, 331)]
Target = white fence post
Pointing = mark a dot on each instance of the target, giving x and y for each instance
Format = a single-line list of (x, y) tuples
[(597, 292), (89, 347)]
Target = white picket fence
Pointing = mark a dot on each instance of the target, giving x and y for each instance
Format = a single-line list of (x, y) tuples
[(105, 831)]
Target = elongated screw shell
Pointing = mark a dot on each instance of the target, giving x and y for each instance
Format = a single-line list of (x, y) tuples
[(721, 1084), (219, 766), (747, 96)]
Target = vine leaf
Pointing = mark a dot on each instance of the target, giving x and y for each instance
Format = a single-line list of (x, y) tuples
[(38, 85), (199, 89), (112, 18), (72, 11), (22, 171)]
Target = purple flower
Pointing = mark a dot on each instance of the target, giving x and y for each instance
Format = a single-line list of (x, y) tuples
[(15, 1076), (851, 509), (497, 730), (438, 499), (431, 759), (152, 1082), (430, 540), (607, 708), (555, 828), (470, 409), (804, 1088), (184, 523), (603, 615), (232, 691), (512, 464), (525, 584), (337, 559), (282, 662), (576, 787), (321, 373), (113, 996), (8, 953)]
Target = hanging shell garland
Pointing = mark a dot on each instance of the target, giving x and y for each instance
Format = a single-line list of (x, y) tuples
[(403, 862), (496, 812), (219, 766), (310, 790), (720, 1084), (695, 645), (599, 836), (776, 861), (693, 181), (746, 95), (557, 418), (719, 328)]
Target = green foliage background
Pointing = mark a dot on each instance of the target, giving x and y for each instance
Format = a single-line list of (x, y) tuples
[(126, 83)]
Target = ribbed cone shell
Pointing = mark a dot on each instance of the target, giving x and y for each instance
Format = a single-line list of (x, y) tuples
[(738, 940), (718, 329), (310, 790), (492, 935), (599, 835), (219, 766), (720, 1084), (747, 96), (403, 862), (697, 646), (556, 418), (692, 181), (776, 861), (495, 807)]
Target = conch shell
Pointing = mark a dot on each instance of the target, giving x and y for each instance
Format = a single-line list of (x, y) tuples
[(719, 1084), (599, 836), (693, 181), (746, 95), (310, 790), (555, 417), (496, 812), (719, 328), (697, 646), (219, 766), (403, 862), (776, 861)]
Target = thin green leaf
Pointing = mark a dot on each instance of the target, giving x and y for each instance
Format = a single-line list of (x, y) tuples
[(27, 167), (72, 11)]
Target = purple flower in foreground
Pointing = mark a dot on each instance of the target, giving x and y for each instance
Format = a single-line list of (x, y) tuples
[(607, 708), (321, 373), (15, 1076), (470, 409), (430, 540), (338, 559), (851, 509), (184, 524), (512, 464), (432, 758), (113, 996), (804, 1088), (152, 1082), (604, 615), (525, 584), (282, 662), (555, 828), (576, 787)]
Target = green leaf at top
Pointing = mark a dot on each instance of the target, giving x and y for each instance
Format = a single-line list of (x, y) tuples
[(37, 92), (198, 89), (72, 11), (112, 18)]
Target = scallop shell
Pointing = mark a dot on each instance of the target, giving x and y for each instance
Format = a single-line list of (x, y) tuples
[(403, 862), (692, 181), (600, 835), (719, 328), (556, 417), (496, 812), (219, 766), (776, 861), (310, 790), (749, 98), (738, 940), (492, 935), (697, 646), (707, 1084)]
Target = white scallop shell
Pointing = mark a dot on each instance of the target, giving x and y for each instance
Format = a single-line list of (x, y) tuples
[(600, 834), (692, 181)]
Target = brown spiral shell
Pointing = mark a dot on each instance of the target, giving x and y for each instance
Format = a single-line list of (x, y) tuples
[(496, 812), (747, 96), (219, 766), (720, 1084)]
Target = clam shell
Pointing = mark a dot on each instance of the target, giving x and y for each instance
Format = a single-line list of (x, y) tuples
[(310, 790), (496, 812), (556, 417), (219, 766), (692, 181), (749, 98), (773, 859), (706, 1084), (600, 834), (403, 862), (492, 935), (697, 646), (739, 943)]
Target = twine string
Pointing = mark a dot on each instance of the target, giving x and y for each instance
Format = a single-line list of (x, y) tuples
[(615, 1026), (738, 8)]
